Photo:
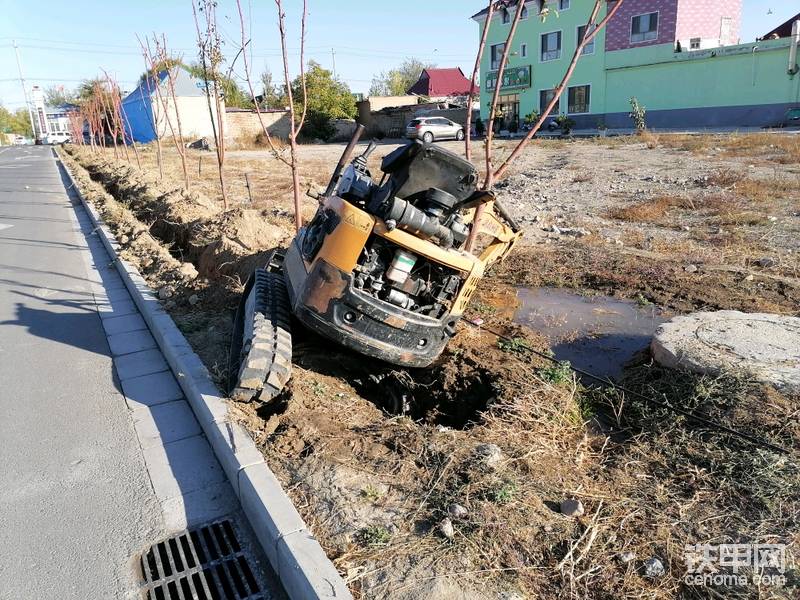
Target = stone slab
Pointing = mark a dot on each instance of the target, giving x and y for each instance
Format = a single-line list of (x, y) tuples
[(149, 390), (165, 423), (141, 363), (758, 345)]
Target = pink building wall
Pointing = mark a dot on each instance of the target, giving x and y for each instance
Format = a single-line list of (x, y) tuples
[(618, 34), (703, 19)]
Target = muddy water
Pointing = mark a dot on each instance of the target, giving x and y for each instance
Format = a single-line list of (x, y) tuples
[(598, 334)]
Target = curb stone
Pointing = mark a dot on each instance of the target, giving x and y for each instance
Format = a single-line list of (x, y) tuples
[(296, 556)]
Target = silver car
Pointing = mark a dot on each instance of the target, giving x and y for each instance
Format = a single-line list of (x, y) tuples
[(429, 129)]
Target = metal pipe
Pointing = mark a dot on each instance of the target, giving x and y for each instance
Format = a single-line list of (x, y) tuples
[(793, 67), (348, 151)]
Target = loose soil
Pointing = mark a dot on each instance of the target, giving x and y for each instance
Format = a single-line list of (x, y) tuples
[(373, 456)]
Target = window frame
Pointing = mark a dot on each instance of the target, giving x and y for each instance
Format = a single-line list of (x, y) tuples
[(569, 5), (658, 27), (588, 104), (692, 42), (524, 14), (560, 33), (505, 16), (492, 65), (578, 41), (556, 109)]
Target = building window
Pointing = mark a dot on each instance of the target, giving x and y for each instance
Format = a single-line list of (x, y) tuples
[(644, 28), (508, 109), (551, 46), (694, 44), (589, 48), (506, 16), (545, 98), (524, 13), (578, 100), (497, 55), (523, 50), (563, 4)]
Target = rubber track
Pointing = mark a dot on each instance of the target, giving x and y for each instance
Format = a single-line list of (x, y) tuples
[(266, 358)]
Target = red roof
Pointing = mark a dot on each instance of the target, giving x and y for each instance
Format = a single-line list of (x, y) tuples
[(442, 82)]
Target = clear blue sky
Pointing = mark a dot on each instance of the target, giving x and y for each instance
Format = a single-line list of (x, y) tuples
[(73, 40)]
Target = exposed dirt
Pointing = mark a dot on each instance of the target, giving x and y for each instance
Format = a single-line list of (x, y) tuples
[(375, 485)]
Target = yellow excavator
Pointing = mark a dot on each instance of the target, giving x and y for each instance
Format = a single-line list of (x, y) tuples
[(381, 268)]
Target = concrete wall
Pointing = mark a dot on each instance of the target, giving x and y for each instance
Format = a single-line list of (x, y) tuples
[(245, 124), (392, 124), (194, 115)]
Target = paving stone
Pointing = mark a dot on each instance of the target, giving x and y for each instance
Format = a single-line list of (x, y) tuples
[(124, 324), (182, 467), (198, 507), (165, 423), (141, 363), (109, 309), (149, 390), (132, 341)]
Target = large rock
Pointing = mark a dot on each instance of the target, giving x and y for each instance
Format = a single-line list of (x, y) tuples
[(763, 346)]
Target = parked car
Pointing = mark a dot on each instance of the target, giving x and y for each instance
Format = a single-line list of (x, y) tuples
[(429, 129), (791, 118), (19, 140), (57, 137)]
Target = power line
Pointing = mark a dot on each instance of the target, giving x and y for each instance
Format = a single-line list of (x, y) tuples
[(698, 416)]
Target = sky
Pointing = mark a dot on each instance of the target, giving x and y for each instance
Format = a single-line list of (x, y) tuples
[(63, 43)]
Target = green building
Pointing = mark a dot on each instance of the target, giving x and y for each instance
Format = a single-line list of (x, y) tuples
[(681, 58)]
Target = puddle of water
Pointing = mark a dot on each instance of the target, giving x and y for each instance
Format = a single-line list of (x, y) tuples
[(598, 334)]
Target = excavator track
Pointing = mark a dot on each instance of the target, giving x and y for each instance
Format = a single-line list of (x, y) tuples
[(260, 362)]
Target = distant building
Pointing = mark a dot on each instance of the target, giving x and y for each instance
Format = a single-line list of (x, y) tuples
[(145, 117), (781, 31), (680, 58), (440, 84)]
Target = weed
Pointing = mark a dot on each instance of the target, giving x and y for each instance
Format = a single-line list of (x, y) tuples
[(504, 493), (371, 493), (484, 309), (516, 345), (318, 388), (641, 300), (556, 374), (374, 536)]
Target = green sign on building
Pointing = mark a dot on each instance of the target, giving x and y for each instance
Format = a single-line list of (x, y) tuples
[(513, 78)]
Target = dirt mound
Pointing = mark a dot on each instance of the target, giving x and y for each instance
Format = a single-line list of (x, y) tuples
[(230, 243)]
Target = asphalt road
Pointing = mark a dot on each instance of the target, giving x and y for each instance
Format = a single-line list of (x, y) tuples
[(76, 501)]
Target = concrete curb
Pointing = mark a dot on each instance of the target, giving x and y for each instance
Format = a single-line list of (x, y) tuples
[(302, 566)]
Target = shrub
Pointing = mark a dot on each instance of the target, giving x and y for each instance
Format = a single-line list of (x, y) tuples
[(565, 123), (638, 115)]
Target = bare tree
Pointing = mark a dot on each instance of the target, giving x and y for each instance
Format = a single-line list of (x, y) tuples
[(157, 58), (491, 175), (76, 120), (209, 44), (474, 80), (249, 80), (150, 78), (294, 126)]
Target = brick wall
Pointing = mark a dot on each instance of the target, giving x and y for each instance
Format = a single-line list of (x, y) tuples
[(618, 34), (703, 19), (241, 124)]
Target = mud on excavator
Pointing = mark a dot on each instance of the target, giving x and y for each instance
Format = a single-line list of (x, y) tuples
[(380, 269)]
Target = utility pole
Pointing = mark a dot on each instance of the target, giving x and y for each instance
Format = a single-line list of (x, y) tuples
[(333, 56), (24, 89)]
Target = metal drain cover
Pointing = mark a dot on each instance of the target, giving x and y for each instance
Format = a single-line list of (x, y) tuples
[(206, 563)]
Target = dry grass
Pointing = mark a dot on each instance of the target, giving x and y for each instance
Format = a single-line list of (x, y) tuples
[(652, 210)]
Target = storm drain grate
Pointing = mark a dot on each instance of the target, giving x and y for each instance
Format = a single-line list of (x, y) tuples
[(206, 563)]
